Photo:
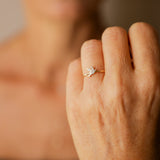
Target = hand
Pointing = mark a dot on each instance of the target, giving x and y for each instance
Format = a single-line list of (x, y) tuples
[(113, 116)]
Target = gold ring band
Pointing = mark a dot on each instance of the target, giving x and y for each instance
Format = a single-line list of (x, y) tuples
[(92, 71), (100, 71)]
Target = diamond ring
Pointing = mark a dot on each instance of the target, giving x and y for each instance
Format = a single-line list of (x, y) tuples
[(92, 71)]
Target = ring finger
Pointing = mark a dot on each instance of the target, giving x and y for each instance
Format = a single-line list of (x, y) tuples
[(92, 58)]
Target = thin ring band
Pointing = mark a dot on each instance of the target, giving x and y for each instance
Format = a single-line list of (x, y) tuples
[(92, 71)]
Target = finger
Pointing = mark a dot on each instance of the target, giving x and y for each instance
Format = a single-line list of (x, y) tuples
[(116, 53), (91, 56), (144, 47), (74, 78)]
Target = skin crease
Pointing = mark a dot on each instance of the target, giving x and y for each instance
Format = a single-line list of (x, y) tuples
[(33, 69), (115, 115)]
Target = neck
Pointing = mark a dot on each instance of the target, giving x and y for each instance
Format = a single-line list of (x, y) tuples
[(52, 44)]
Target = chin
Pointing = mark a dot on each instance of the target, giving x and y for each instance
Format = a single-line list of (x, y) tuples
[(64, 10)]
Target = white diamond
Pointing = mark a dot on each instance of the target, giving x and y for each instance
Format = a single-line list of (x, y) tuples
[(91, 71)]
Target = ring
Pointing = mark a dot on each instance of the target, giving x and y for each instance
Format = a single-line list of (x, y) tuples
[(92, 71)]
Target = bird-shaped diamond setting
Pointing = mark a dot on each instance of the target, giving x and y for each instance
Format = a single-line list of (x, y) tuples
[(91, 71)]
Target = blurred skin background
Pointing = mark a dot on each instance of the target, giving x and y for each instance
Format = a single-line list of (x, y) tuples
[(114, 12), (33, 123)]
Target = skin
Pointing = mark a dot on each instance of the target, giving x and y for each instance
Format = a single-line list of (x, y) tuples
[(115, 115), (33, 69)]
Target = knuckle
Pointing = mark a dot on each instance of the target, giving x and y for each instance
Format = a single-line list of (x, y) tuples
[(90, 45), (141, 26), (113, 32), (116, 94), (92, 101)]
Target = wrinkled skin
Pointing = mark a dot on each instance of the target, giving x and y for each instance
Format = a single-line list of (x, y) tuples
[(114, 115)]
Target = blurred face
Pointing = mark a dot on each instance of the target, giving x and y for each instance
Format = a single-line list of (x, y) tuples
[(62, 9)]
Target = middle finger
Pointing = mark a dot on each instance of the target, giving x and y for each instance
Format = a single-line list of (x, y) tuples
[(118, 62)]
